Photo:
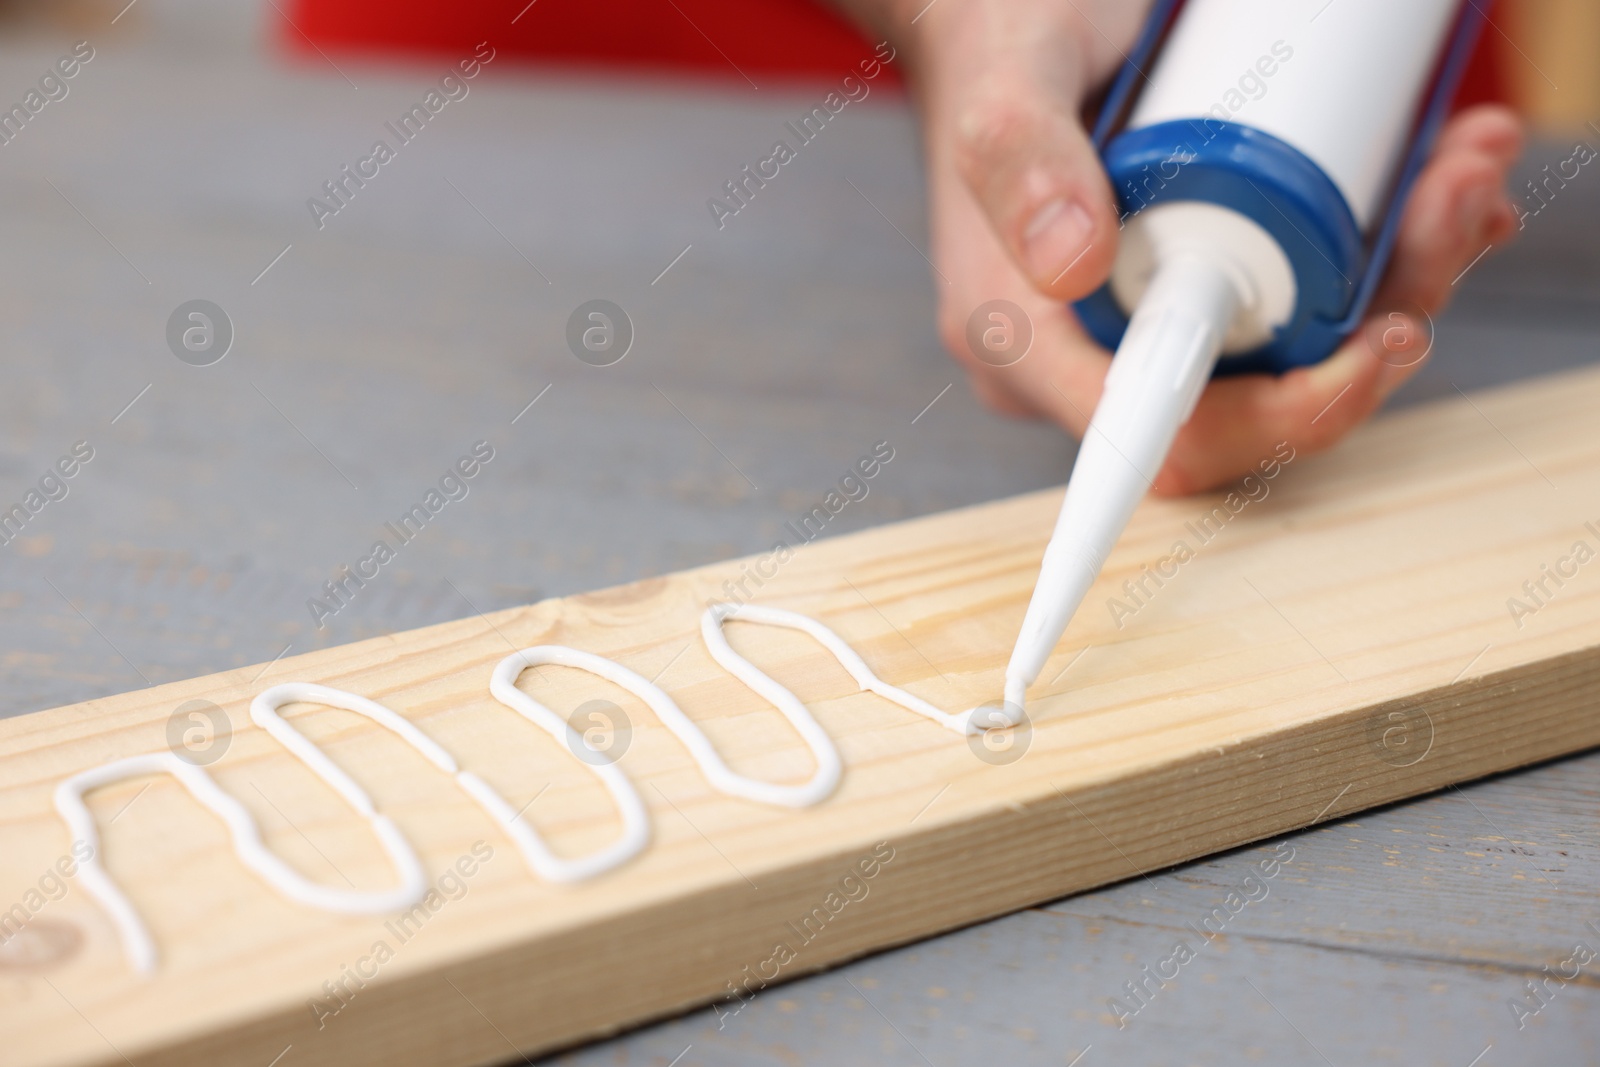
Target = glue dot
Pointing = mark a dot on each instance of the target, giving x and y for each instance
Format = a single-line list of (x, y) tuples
[(999, 716), (1001, 733)]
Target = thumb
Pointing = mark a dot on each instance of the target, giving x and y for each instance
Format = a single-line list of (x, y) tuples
[(1032, 168)]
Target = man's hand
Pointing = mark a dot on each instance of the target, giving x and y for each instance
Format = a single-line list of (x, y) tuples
[(1022, 211)]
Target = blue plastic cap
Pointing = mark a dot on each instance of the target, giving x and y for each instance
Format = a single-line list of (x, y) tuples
[(1274, 184)]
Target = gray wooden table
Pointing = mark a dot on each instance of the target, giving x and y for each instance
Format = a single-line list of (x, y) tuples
[(431, 310)]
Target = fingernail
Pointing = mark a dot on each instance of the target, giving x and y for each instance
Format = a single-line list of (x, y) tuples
[(1055, 238)]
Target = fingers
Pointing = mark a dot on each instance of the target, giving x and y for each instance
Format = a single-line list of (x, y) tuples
[(995, 394), (1458, 209), (1033, 170), (1239, 421), (1021, 209), (1060, 373), (1487, 128), (1003, 90)]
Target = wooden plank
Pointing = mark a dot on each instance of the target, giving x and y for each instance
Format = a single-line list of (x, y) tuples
[(1420, 920), (1358, 608)]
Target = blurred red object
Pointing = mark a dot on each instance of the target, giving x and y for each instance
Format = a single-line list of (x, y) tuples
[(1485, 81), (745, 40)]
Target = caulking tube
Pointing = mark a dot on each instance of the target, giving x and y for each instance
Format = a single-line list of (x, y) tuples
[(1262, 167)]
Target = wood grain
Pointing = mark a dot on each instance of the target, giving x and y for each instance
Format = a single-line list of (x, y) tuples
[(1358, 608)]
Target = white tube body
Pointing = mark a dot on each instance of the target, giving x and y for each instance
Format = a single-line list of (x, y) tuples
[(1338, 79)]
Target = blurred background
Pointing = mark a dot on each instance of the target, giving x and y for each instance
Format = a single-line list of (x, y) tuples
[(371, 348)]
